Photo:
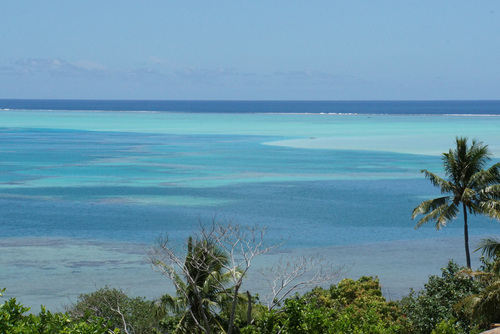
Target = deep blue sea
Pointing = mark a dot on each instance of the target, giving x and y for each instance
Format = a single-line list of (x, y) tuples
[(86, 186), (284, 107)]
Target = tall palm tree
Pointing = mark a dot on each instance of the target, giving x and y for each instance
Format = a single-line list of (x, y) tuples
[(466, 184)]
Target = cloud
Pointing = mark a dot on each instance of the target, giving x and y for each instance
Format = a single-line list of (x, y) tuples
[(52, 67), (92, 79), (90, 65), (314, 75), (218, 75), (56, 67), (159, 61), (206, 73)]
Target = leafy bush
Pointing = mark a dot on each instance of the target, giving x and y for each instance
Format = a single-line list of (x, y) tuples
[(435, 303), (15, 320), (483, 308), (349, 307), (135, 315)]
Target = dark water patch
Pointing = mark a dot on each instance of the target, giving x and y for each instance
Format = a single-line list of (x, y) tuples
[(90, 263)]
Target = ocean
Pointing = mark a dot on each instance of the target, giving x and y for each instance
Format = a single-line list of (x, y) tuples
[(87, 186)]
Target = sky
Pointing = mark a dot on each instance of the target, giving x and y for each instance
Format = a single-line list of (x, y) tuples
[(250, 50)]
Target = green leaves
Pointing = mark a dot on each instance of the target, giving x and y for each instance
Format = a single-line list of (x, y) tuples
[(435, 303), (490, 247), (444, 185), (120, 310), (352, 306), (438, 209), (15, 320), (201, 289), (466, 182), (483, 307)]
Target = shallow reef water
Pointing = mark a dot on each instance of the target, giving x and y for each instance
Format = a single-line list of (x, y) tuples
[(83, 193)]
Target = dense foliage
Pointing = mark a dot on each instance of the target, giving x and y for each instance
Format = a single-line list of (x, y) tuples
[(351, 306), (483, 308), (130, 315), (435, 303), (15, 319), (202, 290)]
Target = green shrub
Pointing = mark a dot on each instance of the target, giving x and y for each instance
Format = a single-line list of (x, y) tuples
[(137, 314), (435, 302), (349, 307), (15, 320)]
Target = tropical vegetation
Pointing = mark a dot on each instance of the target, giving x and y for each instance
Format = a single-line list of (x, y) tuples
[(483, 307), (15, 319), (435, 303), (449, 303), (467, 184), (201, 293), (129, 315)]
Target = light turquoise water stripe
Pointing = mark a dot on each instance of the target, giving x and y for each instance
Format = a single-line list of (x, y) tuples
[(405, 134)]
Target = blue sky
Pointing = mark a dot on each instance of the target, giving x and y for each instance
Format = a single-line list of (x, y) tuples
[(250, 50)]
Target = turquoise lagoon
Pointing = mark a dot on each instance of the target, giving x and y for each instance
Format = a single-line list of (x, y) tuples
[(83, 193)]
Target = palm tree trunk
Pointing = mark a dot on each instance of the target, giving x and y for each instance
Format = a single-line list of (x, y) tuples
[(466, 237)]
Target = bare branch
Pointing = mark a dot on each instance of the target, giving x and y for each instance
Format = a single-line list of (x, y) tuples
[(229, 247), (297, 273), (124, 322), (242, 244)]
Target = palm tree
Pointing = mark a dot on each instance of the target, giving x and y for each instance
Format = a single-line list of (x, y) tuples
[(201, 293), (466, 183), (484, 307)]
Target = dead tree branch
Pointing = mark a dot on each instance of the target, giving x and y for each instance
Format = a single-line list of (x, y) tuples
[(289, 275)]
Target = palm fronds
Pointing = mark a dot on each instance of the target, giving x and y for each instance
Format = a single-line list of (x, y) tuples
[(490, 247), (467, 183)]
